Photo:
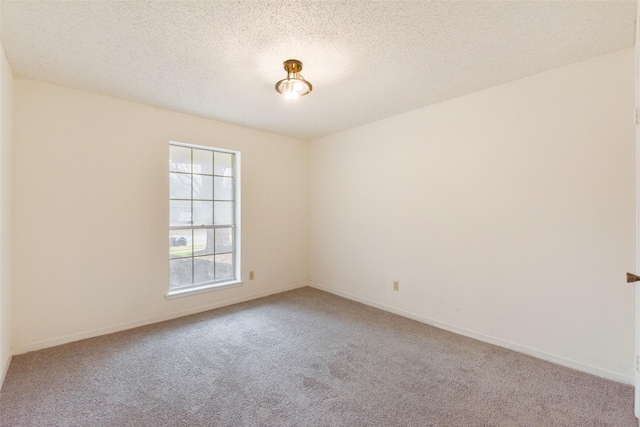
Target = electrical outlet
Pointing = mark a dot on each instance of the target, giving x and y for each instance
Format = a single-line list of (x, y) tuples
[(396, 285), (251, 275)]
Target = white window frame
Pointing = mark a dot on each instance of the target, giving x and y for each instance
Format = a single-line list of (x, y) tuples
[(198, 288)]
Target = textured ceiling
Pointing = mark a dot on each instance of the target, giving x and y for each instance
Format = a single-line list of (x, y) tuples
[(366, 59)]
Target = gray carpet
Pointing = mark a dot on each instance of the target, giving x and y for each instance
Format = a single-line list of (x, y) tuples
[(300, 358)]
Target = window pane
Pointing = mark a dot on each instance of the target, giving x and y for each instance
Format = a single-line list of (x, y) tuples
[(223, 164), (224, 240), (223, 212), (180, 243), (179, 186), (202, 213), (203, 269), (203, 187), (180, 272), (179, 212), (224, 267), (203, 242), (223, 188), (179, 159), (203, 162)]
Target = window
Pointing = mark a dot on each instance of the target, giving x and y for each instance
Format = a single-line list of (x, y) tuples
[(204, 218)]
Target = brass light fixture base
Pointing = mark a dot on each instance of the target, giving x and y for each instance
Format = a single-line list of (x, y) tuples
[(292, 66)]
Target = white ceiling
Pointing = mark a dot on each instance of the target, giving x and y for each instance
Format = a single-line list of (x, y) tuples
[(367, 60)]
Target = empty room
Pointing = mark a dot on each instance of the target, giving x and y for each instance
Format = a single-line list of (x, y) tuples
[(318, 213)]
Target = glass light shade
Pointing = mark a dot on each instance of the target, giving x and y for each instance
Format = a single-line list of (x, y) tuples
[(294, 86)]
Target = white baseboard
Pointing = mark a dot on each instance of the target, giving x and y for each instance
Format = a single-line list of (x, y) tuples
[(39, 345), (559, 360)]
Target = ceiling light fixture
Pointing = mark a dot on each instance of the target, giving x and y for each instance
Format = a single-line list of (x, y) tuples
[(294, 86)]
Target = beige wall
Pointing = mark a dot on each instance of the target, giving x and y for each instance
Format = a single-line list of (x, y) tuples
[(506, 215), (90, 226), (6, 106)]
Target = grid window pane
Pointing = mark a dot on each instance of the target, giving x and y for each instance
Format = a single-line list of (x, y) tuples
[(180, 244), (202, 213), (201, 190), (224, 267), (203, 162), (224, 240), (179, 159), (203, 269), (223, 213), (203, 242), (179, 212), (202, 187), (223, 188), (179, 186), (180, 272), (223, 164)]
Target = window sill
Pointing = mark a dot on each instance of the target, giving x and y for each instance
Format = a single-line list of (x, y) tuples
[(179, 293)]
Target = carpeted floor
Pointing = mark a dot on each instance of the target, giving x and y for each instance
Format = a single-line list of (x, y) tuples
[(300, 358)]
